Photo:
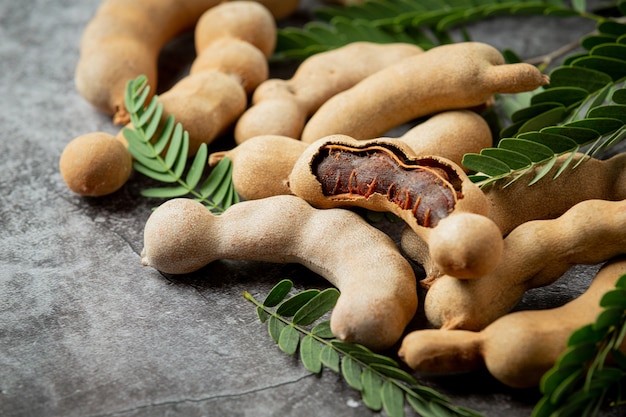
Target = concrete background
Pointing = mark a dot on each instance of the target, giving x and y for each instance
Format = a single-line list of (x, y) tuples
[(85, 330)]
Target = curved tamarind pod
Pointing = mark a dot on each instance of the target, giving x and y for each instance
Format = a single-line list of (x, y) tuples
[(261, 165), (536, 253), (550, 197), (431, 194), (518, 348), (281, 107), (450, 134), (453, 76), (123, 41), (377, 284)]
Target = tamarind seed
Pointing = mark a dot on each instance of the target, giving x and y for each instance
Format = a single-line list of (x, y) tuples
[(420, 186)]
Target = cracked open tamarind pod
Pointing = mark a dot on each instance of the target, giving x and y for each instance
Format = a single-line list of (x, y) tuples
[(431, 194), (535, 254), (518, 348), (377, 284), (454, 76)]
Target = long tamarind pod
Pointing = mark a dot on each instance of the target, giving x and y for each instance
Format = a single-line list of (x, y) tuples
[(377, 284), (550, 197), (535, 254), (454, 76), (518, 348), (431, 194)]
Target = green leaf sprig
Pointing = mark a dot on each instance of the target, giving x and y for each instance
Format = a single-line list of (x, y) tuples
[(583, 109), (581, 383), (161, 152), (298, 322), (425, 23)]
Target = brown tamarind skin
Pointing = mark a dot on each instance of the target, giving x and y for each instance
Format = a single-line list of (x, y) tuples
[(550, 197), (518, 348), (377, 284), (454, 76), (281, 107), (535, 254), (261, 165), (123, 40)]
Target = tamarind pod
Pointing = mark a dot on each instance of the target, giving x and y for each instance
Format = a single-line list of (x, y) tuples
[(517, 348), (535, 254), (431, 194), (281, 107), (123, 41), (261, 165), (450, 134), (453, 76), (550, 197), (377, 284)]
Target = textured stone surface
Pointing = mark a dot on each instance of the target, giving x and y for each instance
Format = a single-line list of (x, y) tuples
[(85, 330)]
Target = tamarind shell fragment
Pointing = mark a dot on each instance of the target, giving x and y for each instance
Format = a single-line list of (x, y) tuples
[(383, 175)]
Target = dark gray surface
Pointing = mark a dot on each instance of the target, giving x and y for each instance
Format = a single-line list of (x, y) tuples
[(85, 330)]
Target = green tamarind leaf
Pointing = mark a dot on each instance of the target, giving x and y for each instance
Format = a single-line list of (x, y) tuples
[(150, 164), (613, 111), (591, 41), (613, 67), (621, 282), (535, 110), (310, 352), (165, 192), (262, 314), (148, 112), (215, 179), (288, 340), (290, 306), (584, 334), (615, 298), (554, 377), (612, 27), (485, 164), (567, 386), (394, 372), (175, 145), (610, 50), (578, 354), (278, 293), (371, 358), (322, 329), (619, 358), (602, 125), (543, 408), (181, 160), (580, 135), (579, 5), (609, 317), (536, 152), (418, 404), (514, 160), (330, 358), (393, 399), (586, 78), (545, 169), (159, 176), (197, 166), (547, 118), (557, 143), (316, 307), (275, 327), (351, 371), (350, 348), (372, 386), (619, 96), (566, 95), (164, 137)]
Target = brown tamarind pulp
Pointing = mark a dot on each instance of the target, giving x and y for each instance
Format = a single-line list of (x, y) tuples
[(425, 186)]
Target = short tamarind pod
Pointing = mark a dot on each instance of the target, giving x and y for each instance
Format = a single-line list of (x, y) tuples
[(123, 40), (518, 348), (453, 76), (261, 165), (535, 254), (377, 284), (248, 21), (95, 164), (550, 197), (234, 57), (432, 195), (281, 107), (450, 134)]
